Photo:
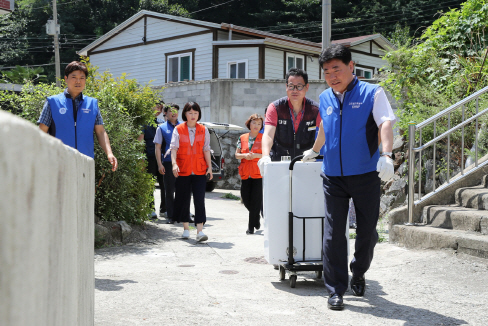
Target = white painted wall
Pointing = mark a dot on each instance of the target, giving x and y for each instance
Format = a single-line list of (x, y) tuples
[(147, 62), (313, 68), (273, 64), (46, 233), (366, 60), (250, 54)]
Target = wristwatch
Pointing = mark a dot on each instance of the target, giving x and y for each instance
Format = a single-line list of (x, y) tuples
[(389, 154)]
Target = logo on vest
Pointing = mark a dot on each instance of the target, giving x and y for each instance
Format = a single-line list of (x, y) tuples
[(355, 105), (282, 122), (168, 131), (62, 110), (329, 110), (85, 110), (309, 123)]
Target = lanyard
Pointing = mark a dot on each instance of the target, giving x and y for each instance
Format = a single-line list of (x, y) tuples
[(293, 116)]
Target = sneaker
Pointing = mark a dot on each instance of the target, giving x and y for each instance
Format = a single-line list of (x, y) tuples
[(153, 215), (201, 237), (186, 234), (163, 214)]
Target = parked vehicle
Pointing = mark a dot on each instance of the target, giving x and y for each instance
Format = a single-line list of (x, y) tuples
[(215, 144)]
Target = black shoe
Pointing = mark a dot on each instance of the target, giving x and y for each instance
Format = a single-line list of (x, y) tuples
[(335, 302), (358, 285), (250, 231), (170, 221)]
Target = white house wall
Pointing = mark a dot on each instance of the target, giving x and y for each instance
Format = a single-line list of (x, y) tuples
[(273, 64), (313, 68), (250, 54), (147, 62), (155, 29), (368, 61)]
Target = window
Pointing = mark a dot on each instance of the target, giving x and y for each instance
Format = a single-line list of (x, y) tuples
[(364, 73), (237, 69), (295, 61), (179, 67)]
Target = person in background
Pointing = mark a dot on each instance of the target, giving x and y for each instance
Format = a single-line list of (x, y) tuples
[(353, 112), (191, 163), (249, 152), (148, 133), (73, 117), (162, 140)]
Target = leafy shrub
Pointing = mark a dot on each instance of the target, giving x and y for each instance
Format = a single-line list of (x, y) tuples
[(127, 193)]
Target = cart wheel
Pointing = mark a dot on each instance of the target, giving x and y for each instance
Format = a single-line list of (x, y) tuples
[(318, 274), (293, 281), (282, 273)]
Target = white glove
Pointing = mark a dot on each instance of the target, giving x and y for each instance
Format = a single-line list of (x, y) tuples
[(262, 161), (385, 168), (309, 155)]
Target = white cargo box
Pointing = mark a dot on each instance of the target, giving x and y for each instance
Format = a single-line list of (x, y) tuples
[(307, 200)]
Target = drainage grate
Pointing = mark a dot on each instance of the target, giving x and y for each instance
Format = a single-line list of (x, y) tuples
[(256, 260), (229, 272)]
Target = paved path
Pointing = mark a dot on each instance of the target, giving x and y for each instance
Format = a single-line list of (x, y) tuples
[(225, 281)]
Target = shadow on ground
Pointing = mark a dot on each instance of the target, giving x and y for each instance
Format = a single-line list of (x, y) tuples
[(103, 284)]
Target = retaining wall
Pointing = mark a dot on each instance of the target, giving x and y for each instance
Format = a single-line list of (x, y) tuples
[(46, 229)]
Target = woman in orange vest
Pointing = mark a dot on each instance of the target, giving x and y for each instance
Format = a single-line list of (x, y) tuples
[(190, 157), (249, 152)]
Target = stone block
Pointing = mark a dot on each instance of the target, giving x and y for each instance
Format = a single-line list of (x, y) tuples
[(250, 91)]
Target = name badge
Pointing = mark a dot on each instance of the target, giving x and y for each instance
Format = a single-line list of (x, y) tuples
[(312, 128)]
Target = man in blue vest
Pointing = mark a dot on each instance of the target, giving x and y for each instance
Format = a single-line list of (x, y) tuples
[(352, 112), (73, 117), (148, 133), (290, 121), (162, 140)]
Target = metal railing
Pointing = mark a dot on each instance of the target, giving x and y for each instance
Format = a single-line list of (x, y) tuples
[(412, 150)]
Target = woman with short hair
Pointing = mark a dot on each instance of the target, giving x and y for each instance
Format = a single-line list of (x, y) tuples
[(249, 152), (191, 162)]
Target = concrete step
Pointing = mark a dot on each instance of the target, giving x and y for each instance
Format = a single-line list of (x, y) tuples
[(472, 197), (457, 218), (429, 237)]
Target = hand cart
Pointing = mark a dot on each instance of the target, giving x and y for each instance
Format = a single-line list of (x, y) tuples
[(294, 266)]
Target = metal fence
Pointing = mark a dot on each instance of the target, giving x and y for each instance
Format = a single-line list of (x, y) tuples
[(412, 150)]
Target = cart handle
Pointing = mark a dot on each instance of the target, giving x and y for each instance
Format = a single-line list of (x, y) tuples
[(298, 158)]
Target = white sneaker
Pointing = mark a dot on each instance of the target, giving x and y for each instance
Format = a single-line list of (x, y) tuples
[(186, 234), (201, 237)]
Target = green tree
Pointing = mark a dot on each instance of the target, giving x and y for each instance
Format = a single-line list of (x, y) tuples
[(127, 193), (23, 75)]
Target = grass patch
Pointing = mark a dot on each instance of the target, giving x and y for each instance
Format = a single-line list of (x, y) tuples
[(231, 196)]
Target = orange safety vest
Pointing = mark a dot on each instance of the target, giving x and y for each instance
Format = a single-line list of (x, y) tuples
[(249, 168), (191, 158)]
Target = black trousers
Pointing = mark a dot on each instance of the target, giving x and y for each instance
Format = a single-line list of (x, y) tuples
[(184, 188), (152, 167), (169, 187), (252, 197), (364, 189)]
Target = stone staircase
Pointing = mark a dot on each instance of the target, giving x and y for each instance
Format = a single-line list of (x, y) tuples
[(461, 226)]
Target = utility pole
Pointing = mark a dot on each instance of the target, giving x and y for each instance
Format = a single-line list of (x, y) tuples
[(326, 23), (56, 46)]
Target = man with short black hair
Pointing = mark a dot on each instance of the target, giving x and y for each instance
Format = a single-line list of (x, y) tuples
[(72, 117), (290, 121), (352, 112)]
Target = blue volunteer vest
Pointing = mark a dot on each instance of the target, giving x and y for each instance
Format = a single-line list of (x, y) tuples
[(351, 138), (167, 132), (79, 136)]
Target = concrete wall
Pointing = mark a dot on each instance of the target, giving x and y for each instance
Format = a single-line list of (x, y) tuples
[(46, 229), (234, 100)]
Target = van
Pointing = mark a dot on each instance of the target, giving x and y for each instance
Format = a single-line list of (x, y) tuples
[(215, 145)]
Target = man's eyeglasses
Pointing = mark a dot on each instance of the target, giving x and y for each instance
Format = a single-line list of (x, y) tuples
[(298, 87)]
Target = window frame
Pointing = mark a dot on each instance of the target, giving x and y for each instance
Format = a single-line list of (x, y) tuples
[(236, 62), (363, 69), (186, 53), (294, 56)]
